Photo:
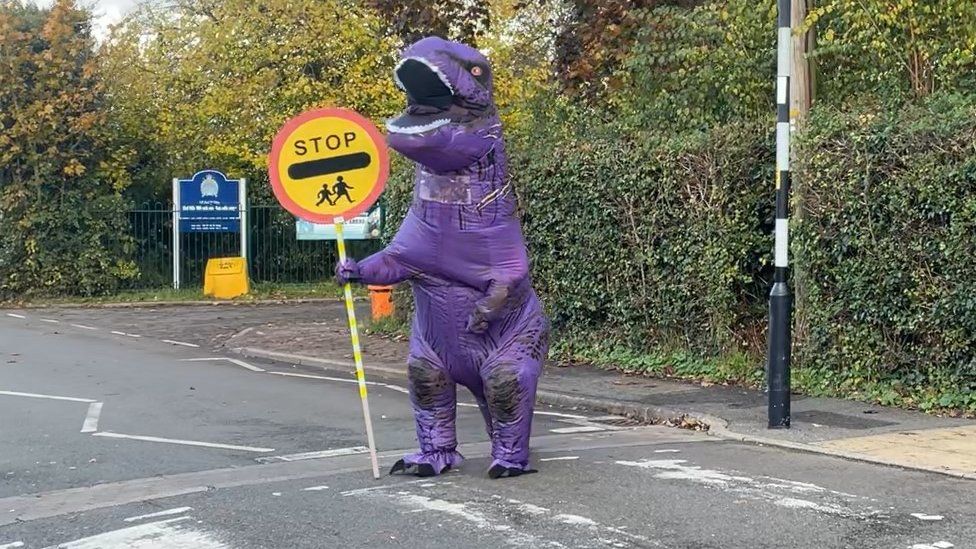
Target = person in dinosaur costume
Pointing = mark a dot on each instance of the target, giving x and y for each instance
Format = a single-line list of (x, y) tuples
[(478, 321)]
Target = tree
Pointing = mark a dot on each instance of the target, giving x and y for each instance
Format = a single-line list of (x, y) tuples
[(802, 84), (466, 21), (211, 83), (62, 223), (598, 38), (895, 47)]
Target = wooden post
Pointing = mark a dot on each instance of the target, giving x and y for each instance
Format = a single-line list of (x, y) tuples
[(801, 92)]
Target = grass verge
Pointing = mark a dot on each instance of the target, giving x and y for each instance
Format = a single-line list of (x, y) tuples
[(259, 292)]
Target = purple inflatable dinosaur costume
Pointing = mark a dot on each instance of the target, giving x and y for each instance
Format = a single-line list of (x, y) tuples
[(477, 321)]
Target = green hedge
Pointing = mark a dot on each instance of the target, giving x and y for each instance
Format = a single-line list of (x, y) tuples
[(886, 254), (650, 242)]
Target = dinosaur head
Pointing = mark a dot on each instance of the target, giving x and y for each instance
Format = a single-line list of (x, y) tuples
[(450, 109)]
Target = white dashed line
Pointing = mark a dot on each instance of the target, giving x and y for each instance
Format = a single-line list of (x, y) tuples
[(561, 458), (125, 334), (91, 420), (180, 343), (923, 516), (48, 397), (83, 327), (166, 513), (50, 321), (315, 488), (12, 315), (12, 545), (186, 442)]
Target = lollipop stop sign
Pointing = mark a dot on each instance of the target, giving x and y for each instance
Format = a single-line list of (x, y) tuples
[(325, 166)]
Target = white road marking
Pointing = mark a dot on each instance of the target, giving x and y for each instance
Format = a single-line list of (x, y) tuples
[(91, 420), (396, 388), (361, 491), (493, 514), (48, 397), (351, 451), (923, 516), (238, 362), (165, 534), (50, 321), (166, 513), (667, 451), (936, 545), (125, 334), (580, 429), (763, 489), (185, 442), (83, 327), (315, 488), (324, 378), (12, 315), (558, 414), (12, 545), (529, 508), (180, 343), (575, 520), (560, 458)]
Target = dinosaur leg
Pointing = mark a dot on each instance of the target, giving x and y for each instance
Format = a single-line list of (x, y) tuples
[(511, 377), (434, 398), (485, 413)]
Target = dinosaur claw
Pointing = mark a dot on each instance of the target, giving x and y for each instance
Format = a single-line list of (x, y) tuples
[(398, 466)]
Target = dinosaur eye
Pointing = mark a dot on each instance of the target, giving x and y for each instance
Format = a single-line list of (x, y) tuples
[(476, 71)]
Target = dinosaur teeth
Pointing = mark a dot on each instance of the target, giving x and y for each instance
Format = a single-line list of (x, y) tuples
[(422, 128)]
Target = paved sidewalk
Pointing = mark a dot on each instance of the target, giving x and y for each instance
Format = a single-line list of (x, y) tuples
[(832, 426)]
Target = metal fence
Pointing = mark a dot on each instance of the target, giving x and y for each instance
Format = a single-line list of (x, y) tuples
[(275, 255)]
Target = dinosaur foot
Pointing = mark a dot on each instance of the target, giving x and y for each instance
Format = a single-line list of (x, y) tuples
[(500, 471), (422, 470)]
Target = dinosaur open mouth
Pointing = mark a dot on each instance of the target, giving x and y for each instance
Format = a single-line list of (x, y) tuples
[(424, 83), (430, 97)]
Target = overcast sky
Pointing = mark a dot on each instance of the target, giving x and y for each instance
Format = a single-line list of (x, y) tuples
[(106, 11)]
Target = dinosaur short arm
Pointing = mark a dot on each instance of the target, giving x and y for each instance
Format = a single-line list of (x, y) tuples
[(498, 300), (383, 268)]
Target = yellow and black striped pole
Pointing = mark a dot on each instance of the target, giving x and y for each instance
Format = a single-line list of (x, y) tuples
[(357, 352), (780, 299)]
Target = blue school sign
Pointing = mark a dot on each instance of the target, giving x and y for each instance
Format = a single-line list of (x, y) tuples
[(209, 203)]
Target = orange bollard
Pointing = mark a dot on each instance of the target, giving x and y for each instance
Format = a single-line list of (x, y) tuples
[(381, 301)]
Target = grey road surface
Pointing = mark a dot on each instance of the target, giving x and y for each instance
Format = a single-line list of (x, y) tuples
[(113, 441)]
